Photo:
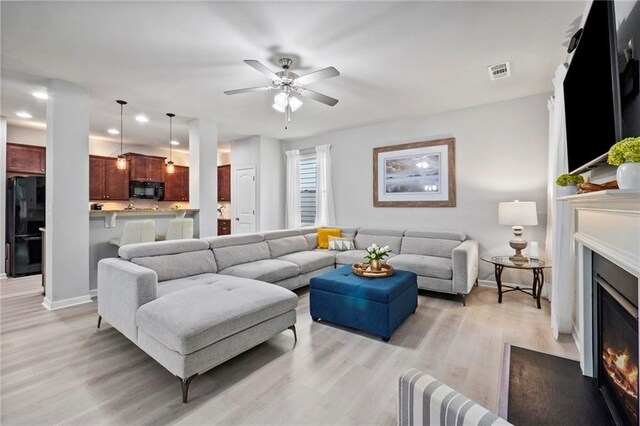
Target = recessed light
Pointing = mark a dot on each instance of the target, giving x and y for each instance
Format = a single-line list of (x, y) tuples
[(113, 131), (175, 143), (40, 94), (24, 114), (141, 118)]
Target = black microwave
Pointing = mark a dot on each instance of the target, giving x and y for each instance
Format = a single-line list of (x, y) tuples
[(146, 190)]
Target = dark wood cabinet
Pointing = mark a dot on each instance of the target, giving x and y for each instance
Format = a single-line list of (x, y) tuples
[(106, 181), (224, 226), (26, 158), (176, 185), (224, 183), (145, 167)]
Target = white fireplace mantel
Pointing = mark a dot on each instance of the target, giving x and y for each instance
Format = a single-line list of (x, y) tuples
[(608, 223)]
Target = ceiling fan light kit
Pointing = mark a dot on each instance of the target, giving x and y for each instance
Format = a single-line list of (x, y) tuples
[(289, 84)]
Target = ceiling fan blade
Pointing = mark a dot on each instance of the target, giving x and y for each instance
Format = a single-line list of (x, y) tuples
[(327, 100), (322, 74), (264, 70), (249, 89)]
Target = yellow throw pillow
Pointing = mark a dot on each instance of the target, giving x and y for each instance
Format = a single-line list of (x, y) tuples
[(324, 234)]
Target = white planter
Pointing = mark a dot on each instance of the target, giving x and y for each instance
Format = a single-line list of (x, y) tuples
[(628, 176), (565, 191)]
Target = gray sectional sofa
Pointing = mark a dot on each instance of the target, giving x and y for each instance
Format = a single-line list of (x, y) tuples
[(194, 304)]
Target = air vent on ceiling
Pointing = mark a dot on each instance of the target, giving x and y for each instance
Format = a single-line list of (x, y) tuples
[(499, 71)]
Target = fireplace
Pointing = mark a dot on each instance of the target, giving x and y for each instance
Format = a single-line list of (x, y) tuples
[(616, 338)]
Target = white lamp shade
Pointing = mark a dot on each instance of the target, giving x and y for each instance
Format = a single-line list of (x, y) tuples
[(518, 213)]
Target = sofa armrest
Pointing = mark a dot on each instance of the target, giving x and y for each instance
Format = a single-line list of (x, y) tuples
[(465, 266), (445, 405), (122, 288)]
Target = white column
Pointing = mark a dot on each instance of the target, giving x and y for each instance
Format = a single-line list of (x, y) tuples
[(203, 174), (3, 190), (67, 215)]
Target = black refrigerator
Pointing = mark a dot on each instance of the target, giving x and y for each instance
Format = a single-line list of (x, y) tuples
[(25, 217)]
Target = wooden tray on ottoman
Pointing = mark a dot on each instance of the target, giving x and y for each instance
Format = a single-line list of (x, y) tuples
[(363, 270)]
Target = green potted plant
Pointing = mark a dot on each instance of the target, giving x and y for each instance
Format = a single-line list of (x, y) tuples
[(626, 155), (568, 184)]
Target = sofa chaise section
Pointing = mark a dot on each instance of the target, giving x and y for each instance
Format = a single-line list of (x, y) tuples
[(169, 299)]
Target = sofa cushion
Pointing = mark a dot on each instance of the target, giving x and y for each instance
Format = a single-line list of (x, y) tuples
[(170, 286), (350, 256), (427, 266), (160, 248), (269, 270), (172, 266), (280, 233), (281, 246), (191, 319), (341, 244), (309, 261), (440, 235), (233, 240), (428, 246), (312, 241), (323, 236), (244, 253), (382, 237)]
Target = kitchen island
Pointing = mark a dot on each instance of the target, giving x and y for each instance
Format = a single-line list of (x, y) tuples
[(105, 225)]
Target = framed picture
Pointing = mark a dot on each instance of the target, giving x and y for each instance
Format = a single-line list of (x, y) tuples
[(419, 174)]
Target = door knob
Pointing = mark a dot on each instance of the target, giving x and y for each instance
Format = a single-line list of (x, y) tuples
[(237, 218)]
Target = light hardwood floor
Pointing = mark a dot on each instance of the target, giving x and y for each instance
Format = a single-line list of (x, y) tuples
[(57, 368)]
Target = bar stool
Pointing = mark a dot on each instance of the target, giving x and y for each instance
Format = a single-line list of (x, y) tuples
[(136, 231), (179, 229)]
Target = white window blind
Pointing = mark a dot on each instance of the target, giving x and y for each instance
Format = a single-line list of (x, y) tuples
[(308, 186)]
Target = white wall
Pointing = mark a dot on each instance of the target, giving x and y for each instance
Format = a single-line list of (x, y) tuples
[(266, 155), (501, 155), (272, 182)]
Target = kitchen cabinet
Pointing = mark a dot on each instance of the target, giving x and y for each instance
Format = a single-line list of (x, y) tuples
[(176, 185), (26, 158), (145, 167), (106, 181), (224, 226), (224, 183)]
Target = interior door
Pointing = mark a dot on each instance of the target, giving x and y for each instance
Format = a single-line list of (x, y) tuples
[(245, 200)]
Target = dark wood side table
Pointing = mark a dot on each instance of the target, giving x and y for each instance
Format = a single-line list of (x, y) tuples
[(537, 266)]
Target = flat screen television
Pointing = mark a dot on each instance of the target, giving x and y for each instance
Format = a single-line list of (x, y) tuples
[(602, 104)]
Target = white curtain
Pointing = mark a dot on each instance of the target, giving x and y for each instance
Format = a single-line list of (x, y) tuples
[(559, 233), (293, 189), (325, 209)]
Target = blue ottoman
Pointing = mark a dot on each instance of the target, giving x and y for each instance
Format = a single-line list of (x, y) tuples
[(375, 305)]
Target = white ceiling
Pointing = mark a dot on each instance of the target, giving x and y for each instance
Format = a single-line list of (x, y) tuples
[(397, 59)]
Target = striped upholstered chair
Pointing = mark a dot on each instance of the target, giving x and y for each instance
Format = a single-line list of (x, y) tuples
[(423, 400)]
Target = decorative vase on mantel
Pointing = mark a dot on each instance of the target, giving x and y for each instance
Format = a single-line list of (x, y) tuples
[(628, 175), (375, 265), (565, 191), (626, 155)]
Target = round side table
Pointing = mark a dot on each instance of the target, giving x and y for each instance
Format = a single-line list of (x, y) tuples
[(536, 266)]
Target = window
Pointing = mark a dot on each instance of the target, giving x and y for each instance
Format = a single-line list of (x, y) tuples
[(308, 189)]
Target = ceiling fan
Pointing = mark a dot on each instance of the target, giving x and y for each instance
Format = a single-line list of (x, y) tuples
[(288, 84)]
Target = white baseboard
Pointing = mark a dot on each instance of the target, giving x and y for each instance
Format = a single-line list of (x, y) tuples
[(65, 303), (3, 276), (487, 283), (574, 335), (93, 292)]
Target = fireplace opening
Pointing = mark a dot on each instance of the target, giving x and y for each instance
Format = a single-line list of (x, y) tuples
[(616, 334)]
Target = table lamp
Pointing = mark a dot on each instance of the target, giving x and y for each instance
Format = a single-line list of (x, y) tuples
[(518, 214)]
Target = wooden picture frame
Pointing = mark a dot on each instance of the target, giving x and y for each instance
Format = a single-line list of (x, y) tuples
[(418, 174)]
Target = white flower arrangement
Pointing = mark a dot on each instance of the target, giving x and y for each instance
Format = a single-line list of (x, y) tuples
[(374, 252)]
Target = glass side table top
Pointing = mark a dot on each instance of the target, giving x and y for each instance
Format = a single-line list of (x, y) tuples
[(526, 264)]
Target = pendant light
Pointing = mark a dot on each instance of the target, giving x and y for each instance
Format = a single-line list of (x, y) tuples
[(122, 161), (170, 167)]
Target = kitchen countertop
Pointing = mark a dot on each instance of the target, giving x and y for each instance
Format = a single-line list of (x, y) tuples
[(122, 212)]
